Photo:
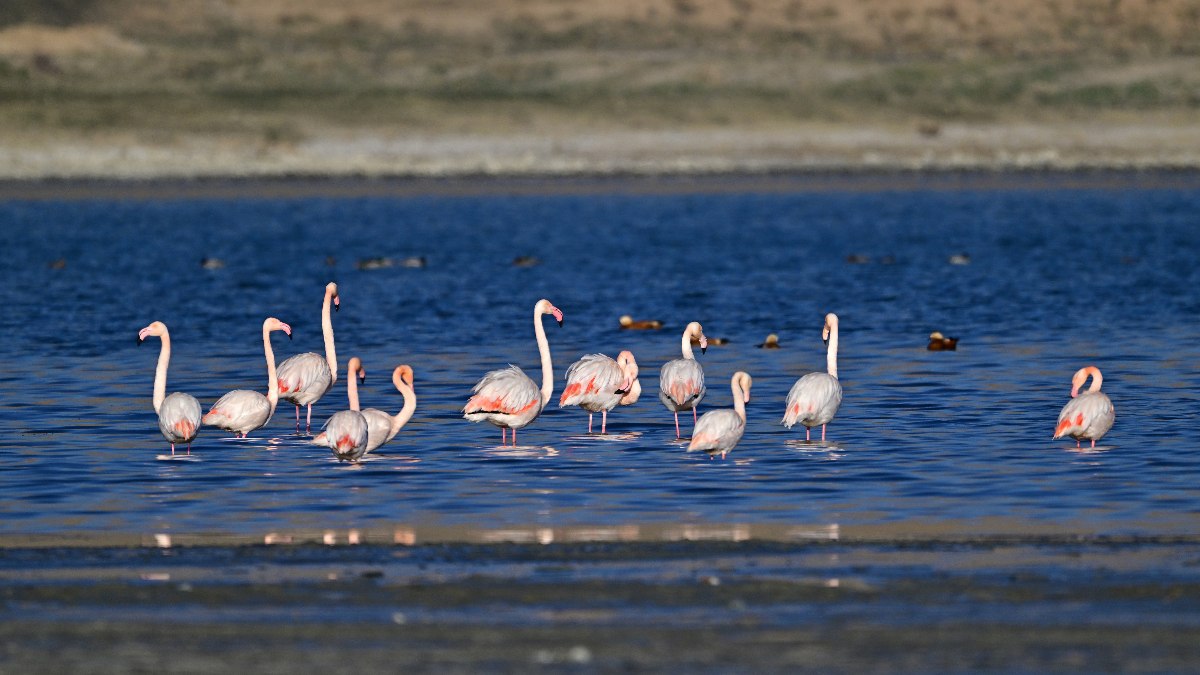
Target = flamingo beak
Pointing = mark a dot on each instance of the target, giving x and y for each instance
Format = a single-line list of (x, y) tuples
[(140, 340), (558, 315), (337, 305), (362, 377)]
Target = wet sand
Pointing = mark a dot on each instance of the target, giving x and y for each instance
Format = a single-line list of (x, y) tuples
[(1030, 603)]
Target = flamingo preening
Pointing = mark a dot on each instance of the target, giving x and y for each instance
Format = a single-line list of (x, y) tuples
[(1088, 415), (720, 430), (681, 381), (381, 427), (304, 378), (179, 413), (241, 410), (507, 397), (815, 398), (597, 383), (345, 432)]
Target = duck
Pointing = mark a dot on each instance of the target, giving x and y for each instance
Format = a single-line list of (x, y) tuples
[(941, 343), (772, 342), (627, 323), (711, 341), (374, 263)]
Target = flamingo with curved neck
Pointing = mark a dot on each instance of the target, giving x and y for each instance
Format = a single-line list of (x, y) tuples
[(1088, 415), (241, 410), (720, 430), (508, 398), (597, 383), (381, 427), (179, 413), (815, 398), (681, 381), (305, 378)]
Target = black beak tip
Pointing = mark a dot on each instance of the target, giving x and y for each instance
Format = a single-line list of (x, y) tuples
[(139, 340), (703, 350), (337, 308), (289, 336), (621, 391), (560, 323)]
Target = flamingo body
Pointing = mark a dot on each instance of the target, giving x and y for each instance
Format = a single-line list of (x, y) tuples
[(379, 427), (815, 398), (240, 411), (1088, 415), (598, 384), (681, 381), (305, 378), (345, 432), (718, 431), (179, 418)]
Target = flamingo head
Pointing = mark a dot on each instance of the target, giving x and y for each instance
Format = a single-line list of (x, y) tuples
[(355, 367), (544, 306), (629, 370), (1081, 376), (696, 332), (272, 324), (744, 382), (156, 329), (403, 374), (831, 324), (331, 290)]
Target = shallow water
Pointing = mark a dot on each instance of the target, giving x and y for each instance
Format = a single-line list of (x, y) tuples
[(1060, 276)]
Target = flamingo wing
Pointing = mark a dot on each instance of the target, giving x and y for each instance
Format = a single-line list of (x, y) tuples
[(1090, 415), (240, 410), (179, 417), (345, 433), (813, 400), (505, 392), (304, 378), (379, 427), (681, 384), (592, 383), (717, 431)]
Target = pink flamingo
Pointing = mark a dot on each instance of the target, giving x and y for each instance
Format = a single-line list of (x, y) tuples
[(816, 397), (681, 381), (304, 378), (241, 410), (596, 383), (507, 397), (381, 427), (720, 430), (1088, 415), (345, 432), (179, 413)]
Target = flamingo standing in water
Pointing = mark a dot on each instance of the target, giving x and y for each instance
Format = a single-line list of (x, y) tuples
[(596, 383), (507, 397), (179, 413), (241, 410), (345, 432), (815, 398), (304, 378), (720, 430), (381, 427), (1087, 416), (681, 381)]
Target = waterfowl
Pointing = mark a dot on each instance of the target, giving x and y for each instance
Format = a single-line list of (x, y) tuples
[(772, 342), (627, 323), (941, 343)]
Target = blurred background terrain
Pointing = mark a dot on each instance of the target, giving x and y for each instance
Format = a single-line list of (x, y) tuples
[(232, 87)]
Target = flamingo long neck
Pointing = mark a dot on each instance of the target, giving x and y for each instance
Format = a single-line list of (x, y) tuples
[(352, 389), (1097, 379), (544, 350), (831, 354), (739, 399), (160, 373), (687, 345), (406, 413), (327, 332), (272, 381)]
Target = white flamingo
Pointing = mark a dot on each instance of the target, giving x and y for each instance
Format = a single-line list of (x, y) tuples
[(507, 397), (597, 383), (179, 413), (241, 410), (381, 427), (345, 432), (1087, 416), (815, 398), (304, 378), (681, 381), (720, 430)]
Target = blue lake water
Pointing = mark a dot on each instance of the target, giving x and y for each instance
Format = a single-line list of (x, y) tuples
[(1059, 276)]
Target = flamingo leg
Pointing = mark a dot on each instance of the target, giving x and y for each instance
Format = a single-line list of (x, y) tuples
[(1077, 445), (308, 423), (297, 419), (589, 423), (514, 438), (189, 448), (822, 432), (604, 422), (1093, 444), (172, 449), (503, 436), (807, 431), (677, 435), (693, 415)]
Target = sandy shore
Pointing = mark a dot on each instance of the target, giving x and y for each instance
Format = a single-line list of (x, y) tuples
[(802, 148)]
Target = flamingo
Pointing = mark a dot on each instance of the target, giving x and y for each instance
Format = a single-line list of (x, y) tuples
[(596, 383), (346, 432), (681, 381), (1088, 415), (241, 410), (381, 427), (815, 398), (720, 430), (179, 413), (507, 397), (304, 378)]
